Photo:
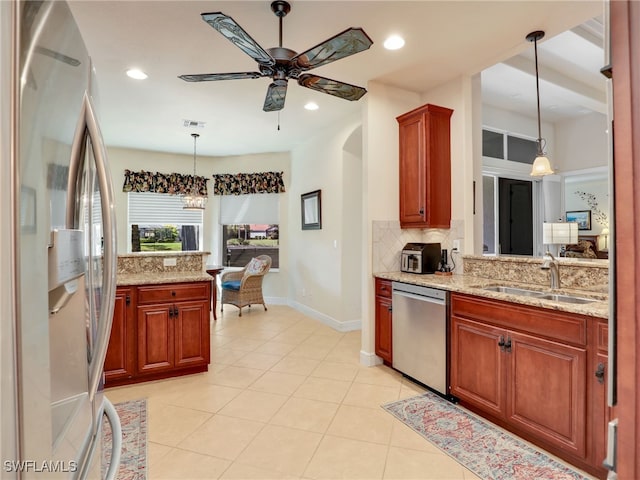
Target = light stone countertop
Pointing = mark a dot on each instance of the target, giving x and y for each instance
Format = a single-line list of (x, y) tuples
[(472, 285), (132, 279)]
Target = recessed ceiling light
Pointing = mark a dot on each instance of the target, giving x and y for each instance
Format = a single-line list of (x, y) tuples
[(311, 106), (394, 42), (136, 73)]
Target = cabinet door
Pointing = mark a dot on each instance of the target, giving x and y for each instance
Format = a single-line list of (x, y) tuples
[(120, 359), (546, 390), (384, 329), (598, 377), (192, 334), (412, 170), (477, 365), (155, 338)]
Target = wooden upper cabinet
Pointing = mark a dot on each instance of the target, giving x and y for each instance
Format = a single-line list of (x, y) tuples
[(425, 167)]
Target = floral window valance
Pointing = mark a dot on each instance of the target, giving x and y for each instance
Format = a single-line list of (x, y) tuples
[(172, 183), (248, 183)]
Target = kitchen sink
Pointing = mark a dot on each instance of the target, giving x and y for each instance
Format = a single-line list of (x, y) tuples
[(514, 291), (565, 298)]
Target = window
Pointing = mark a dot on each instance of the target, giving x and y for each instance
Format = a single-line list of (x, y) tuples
[(508, 147), (157, 222), (250, 227), (492, 144)]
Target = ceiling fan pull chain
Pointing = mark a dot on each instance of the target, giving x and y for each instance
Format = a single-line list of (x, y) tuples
[(278, 120)]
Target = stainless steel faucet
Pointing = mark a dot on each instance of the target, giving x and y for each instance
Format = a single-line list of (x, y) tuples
[(551, 264)]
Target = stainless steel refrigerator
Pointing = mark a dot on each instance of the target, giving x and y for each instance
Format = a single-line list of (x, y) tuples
[(57, 250)]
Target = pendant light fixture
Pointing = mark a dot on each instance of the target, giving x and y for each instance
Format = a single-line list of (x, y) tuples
[(192, 199), (541, 165)]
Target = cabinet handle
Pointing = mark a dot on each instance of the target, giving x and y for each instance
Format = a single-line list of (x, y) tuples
[(127, 300), (390, 308), (501, 343), (421, 211), (600, 372), (507, 345), (173, 293)]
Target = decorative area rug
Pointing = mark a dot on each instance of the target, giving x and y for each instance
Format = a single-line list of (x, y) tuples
[(133, 460), (481, 447)]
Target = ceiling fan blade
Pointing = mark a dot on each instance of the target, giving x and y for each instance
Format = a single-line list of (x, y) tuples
[(332, 87), (208, 77), (74, 62), (349, 42), (276, 95), (236, 35)]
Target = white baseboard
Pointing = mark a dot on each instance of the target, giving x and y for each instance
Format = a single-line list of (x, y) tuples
[(276, 301), (347, 326), (369, 359)]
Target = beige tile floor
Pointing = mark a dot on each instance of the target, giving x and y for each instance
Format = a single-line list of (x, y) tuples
[(285, 397)]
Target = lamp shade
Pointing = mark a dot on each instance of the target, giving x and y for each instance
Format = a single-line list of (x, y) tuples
[(560, 233), (541, 166), (605, 231)]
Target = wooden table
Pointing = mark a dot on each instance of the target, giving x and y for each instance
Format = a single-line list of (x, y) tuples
[(214, 270)]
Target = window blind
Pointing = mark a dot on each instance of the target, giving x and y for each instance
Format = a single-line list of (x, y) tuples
[(160, 209), (260, 208)]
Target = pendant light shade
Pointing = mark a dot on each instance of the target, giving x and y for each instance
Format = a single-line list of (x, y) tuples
[(541, 165), (192, 199)]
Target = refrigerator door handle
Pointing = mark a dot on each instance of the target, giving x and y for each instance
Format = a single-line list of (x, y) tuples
[(116, 439), (88, 125)]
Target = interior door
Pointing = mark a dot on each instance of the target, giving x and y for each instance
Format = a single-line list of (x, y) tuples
[(515, 216)]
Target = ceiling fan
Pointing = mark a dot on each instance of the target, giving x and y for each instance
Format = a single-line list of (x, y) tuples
[(282, 64)]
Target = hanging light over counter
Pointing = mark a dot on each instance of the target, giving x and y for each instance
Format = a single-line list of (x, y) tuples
[(541, 165), (192, 199)]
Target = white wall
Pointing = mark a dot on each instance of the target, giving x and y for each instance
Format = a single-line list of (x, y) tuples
[(380, 189), (582, 142), (121, 159), (317, 263)]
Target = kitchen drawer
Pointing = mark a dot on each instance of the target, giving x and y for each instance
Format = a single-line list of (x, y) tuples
[(383, 287), (175, 292), (560, 326)]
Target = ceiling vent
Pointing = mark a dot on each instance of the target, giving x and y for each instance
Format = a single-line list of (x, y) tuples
[(193, 124)]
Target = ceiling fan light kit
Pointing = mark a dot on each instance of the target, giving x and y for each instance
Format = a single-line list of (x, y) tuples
[(282, 64), (541, 165)]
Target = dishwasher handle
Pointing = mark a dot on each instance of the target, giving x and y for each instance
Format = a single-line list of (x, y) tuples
[(421, 298)]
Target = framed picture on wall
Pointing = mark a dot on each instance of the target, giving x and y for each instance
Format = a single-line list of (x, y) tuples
[(581, 217), (311, 207)]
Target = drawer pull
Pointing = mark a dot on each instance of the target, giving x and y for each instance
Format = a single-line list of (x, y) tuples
[(173, 293)]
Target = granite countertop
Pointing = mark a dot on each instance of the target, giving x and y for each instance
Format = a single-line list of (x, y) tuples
[(131, 279), (474, 286)]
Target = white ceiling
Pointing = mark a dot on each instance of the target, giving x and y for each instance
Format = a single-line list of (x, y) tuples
[(444, 39)]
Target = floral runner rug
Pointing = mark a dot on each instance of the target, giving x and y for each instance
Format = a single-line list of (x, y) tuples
[(133, 460), (483, 448)]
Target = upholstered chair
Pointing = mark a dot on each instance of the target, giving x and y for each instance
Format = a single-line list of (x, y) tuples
[(243, 288)]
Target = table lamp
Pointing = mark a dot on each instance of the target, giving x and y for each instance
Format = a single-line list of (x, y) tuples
[(561, 233)]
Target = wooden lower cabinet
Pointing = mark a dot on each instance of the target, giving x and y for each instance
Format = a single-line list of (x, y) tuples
[(383, 315), (529, 370), (119, 363), (169, 327)]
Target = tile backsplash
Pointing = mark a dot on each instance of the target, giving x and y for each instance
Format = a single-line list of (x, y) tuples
[(389, 239), (157, 262)]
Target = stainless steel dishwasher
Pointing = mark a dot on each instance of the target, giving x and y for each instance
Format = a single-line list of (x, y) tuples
[(420, 331)]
